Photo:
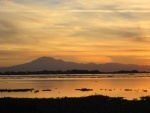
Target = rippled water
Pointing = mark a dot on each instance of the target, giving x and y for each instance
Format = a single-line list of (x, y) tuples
[(46, 86)]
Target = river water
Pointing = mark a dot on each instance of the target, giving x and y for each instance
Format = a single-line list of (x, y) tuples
[(129, 86)]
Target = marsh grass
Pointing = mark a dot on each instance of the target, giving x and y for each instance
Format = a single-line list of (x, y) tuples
[(16, 90), (84, 89), (46, 90), (90, 104)]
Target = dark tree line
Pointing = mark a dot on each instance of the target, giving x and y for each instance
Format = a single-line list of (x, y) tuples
[(74, 71), (51, 72)]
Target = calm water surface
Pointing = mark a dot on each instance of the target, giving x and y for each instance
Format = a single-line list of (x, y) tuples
[(122, 85)]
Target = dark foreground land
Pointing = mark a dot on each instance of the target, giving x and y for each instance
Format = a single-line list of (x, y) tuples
[(91, 104)]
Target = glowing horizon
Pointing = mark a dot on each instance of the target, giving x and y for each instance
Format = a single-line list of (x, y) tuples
[(75, 30)]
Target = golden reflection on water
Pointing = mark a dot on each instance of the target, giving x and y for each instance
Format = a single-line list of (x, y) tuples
[(60, 87)]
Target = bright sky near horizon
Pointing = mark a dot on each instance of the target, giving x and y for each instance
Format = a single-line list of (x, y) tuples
[(83, 31)]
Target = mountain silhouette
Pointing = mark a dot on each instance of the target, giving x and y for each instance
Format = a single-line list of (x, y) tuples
[(49, 63)]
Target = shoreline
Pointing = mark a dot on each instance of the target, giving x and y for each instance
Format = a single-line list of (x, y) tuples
[(88, 104)]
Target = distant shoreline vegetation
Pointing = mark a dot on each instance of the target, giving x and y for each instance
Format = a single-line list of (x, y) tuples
[(74, 71)]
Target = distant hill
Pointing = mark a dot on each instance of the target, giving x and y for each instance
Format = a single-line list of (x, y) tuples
[(49, 63)]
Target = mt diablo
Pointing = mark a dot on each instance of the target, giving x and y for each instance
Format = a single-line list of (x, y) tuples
[(49, 63)]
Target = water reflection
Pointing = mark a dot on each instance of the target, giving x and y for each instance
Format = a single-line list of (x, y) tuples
[(48, 86)]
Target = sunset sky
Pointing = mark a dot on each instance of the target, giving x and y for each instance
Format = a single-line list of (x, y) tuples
[(83, 31)]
